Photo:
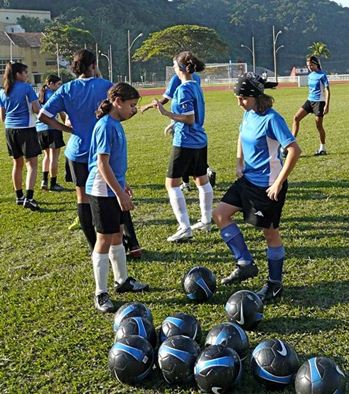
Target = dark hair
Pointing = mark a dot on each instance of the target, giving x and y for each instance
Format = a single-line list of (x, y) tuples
[(9, 77), (263, 103), (315, 60), (122, 90), (82, 61), (49, 79), (189, 63)]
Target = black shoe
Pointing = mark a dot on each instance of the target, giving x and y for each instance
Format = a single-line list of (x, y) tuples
[(241, 273), (31, 204), (56, 188), (271, 291), (104, 304), (20, 200), (131, 285)]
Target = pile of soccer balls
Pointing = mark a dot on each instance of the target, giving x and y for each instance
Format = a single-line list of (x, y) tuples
[(218, 366)]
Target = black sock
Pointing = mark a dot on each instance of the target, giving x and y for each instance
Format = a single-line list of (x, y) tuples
[(30, 194), (85, 217), (53, 181), (19, 193), (45, 176)]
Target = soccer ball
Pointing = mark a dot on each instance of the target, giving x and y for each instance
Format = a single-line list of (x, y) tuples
[(131, 359), (230, 335), (320, 375), (131, 309), (136, 326), (217, 369), (176, 359), (180, 324), (199, 284), (274, 363), (245, 308)]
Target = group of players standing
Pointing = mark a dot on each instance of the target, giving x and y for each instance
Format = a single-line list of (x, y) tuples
[(97, 156)]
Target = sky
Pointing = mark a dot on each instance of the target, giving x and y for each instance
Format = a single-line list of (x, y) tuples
[(344, 3)]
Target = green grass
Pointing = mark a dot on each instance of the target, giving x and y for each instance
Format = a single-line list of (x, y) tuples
[(51, 338)]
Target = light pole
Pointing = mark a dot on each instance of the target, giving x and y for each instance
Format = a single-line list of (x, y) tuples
[(109, 58), (252, 52), (275, 50), (129, 46)]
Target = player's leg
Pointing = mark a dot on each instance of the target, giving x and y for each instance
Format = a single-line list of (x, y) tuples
[(32, 170), (300, 114), (17, 179), (322, 134), (45, 169), (54, 156), (129, 235), (206, 200)]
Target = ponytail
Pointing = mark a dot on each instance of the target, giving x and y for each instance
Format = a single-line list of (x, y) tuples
[(10, 73), (122, 90), (189, 63), (82, 61)]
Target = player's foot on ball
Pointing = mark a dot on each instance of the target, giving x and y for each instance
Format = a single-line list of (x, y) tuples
[(201, 226), (20, 200), (320, 152), (271, 291), (104, 304), (31, 204), (44, 185), (183, 234), (131, 285), (241, 273)]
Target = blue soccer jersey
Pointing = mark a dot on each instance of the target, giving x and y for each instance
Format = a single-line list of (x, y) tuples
[(188, 99), (41, 126), (108, 138), (79, 99), (261, 137), (18, 106), (317, 83), (175, 82)]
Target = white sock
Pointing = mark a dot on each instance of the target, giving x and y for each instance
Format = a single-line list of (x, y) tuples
[(100, 263), (117, 257), (322, 147), (206, 200), (179, 206)]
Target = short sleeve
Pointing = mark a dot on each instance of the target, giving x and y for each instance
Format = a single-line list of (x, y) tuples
[(55, 104), (278, 130), (324, 80), (185, 101), (31, 94), (171, 87), (104, 139)]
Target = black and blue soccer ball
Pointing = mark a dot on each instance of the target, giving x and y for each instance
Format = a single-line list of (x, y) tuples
[(136, 326), (131, 359), (180, 324), (274, 363), (199, 284), (176, 359), (131, 309), (217, 369), (245, 308), (320, 375), (231, 335)]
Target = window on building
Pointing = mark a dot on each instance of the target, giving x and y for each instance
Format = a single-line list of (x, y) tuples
[(51, 62), (3, 63), (37, 79), (35, 64)]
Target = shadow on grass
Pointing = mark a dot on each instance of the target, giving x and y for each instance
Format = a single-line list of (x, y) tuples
[(175, 256)]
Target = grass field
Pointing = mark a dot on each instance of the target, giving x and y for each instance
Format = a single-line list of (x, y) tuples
[(52, 339)]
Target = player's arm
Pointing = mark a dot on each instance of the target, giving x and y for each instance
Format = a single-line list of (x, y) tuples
[(163, 101), (2, 114), (293, 153), (36, 106), (239, 159), (187, 119), (123, 197), (327, 100), (53, 123)]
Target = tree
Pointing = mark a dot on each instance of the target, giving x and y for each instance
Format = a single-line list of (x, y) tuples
[(319, 49), (68, 37), (202, 41), (30, 24)]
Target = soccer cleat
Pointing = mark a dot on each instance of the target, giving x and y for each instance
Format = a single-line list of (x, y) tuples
[(104, 304), (135, 252), (20, 200), (75, 225), (31, 204), (271, 291), (185, 187), (56, 188), (211, 176), (131, 285), (321, 152), (182, 234), (199, 225), (44, 185), (241, 273)]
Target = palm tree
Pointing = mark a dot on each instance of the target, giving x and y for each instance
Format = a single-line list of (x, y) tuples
[(319, 49)]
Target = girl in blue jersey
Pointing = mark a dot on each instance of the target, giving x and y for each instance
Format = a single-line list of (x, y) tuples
[(260, 191), (318, 102), (18, 103), (79, 99), (189, 152), (50, 140), (109, 195)]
